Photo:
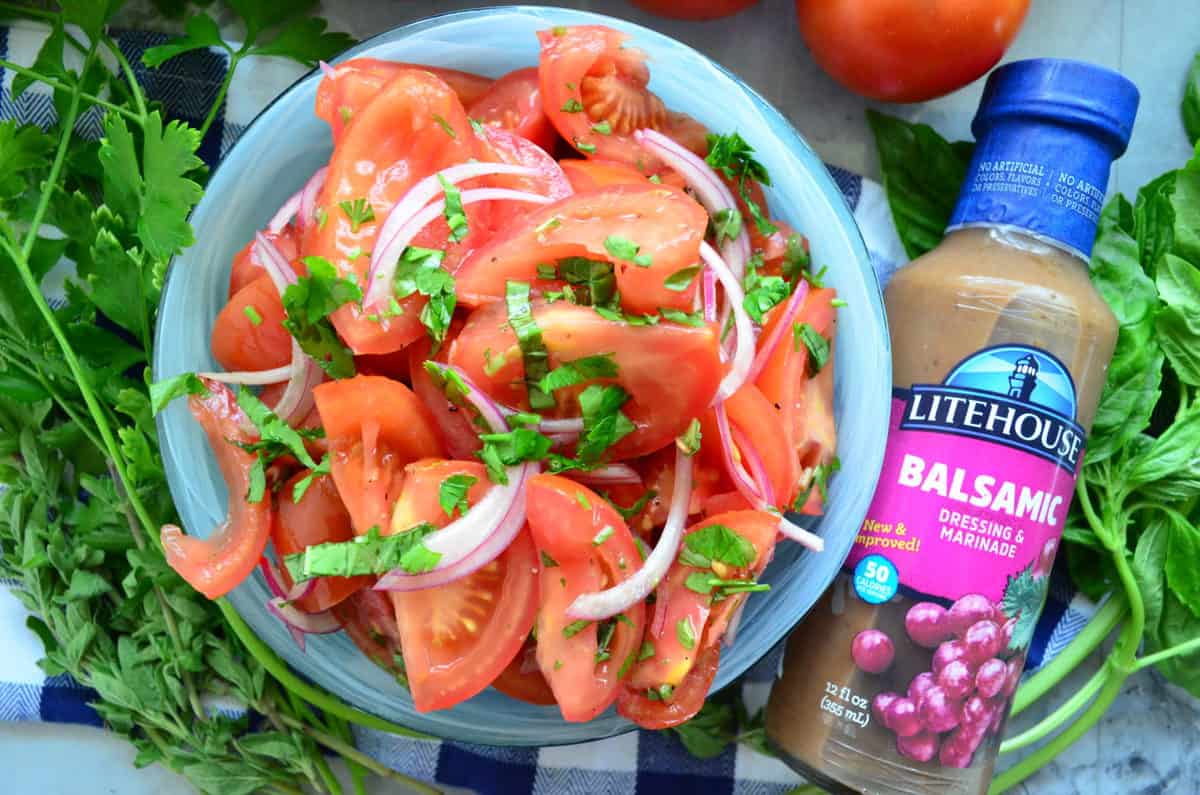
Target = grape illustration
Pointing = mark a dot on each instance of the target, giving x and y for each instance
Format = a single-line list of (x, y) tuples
[(919, 685), (967, 611), (880, 704), (926, 624), (991, 678), (902, 718), (873, 651), (947, 653), (939, 712), (957, 679), (982, 640), (920, 747)]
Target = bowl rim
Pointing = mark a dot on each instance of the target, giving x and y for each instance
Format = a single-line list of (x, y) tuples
[(831, 194)]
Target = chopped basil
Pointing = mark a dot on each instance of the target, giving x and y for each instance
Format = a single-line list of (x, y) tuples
[(633, 510), (445, 125), (572, 105), (547, 561), (623, 248), (583, 501), (762, 292), (256, 487), (593, 281), (452, 493), (817, 345), (476, 127), (359, 211), (456, 218), (838, 303), (251, 313), (604, 534), (492, 362), (685, 633), (716, 542), (585, 147), (646, 652), (681, 279), (503, 450), (795, 258), (819, 480), (577, 371), (604, 636), (602, 127), (727, 224), (695, 319), (529, 338), (604, 424), (307, 304), (372, 553), (706, 583), (547, 272), (420, 271), (549, 225), (733, 157), (689, 442), (574, 628)]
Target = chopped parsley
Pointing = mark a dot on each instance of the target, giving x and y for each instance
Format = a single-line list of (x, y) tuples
[(727, 224), (602, 127), (716, 542), (604, 424), (585, 147), (583, 501), (574, 628), (708, 583), (646, 652), (572, 105), (372, 553), (592, 281), (819, 481), (549, 225), (547, 561), (456, 218), (503, 450), (308, 303), (529, 338), (547, 272), (695, 319), (681, 279), (452, 493), (445, 125), (164, 391), (476, 127), (796, 260), (689, 442), (623, 248), (359, 211), (633, 510), (604, 636), (251, 313), (763, 293), (420, 271), (604, 534), (493, 362), (685, 633), (817, 345), (577, 371), (733, 157)]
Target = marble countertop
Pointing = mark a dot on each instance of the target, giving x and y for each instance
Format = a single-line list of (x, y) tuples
[(1143, 744)]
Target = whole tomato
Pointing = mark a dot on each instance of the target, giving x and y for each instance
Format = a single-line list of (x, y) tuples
[(693, 9), (905, 51)]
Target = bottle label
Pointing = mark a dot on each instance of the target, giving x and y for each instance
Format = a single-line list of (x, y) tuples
[(958, 544)]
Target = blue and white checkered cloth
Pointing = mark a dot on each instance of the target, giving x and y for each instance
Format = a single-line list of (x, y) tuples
[(637, 762)]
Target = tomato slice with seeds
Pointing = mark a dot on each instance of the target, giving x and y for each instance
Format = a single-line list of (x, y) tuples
[(239, 342), (216, 565), (663, 396), (514, 103), (374, 426), (591, 549), (458, 637), (358, 81), (414, 127), (318, 517), (589, 79), (800, 404), (368, 618), (665, 224)]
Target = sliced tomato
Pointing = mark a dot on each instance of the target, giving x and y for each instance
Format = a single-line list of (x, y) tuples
[(368, 618), (589, 78), (684, 702), (663, 396), (319, 517), (458, 637), (375, 427), (414, 127), (245, 270), (393, 365), (216, 565), (726, 501), (358, 81), (658, 475), (665, 223), (591, 549), (459, 435), (800, 405), (681, 624), (501, 146), (318, 447), (753, 422), (523, 680), (588, 175), (248, 333), (514, 103)]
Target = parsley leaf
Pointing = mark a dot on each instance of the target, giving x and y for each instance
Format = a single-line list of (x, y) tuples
[(593, 281), (445, 125), (819, 480), (727, 224), (637, 507), (646, 651), (452, 493), (796, 259), (308, 304), (583, 146), (456, 218), (716, 542), (547, 561), (733, 157), (685, 633), (503, 450), (575, 627), (705, 583), (305, 40), (695, 319), (372, 553), (602, 536), (572, 105), (273, 431), (577, 371), (817, 345), (604, 424), (252, 314), (762, 292), (164, 391), (420, 271), (689, 442), (529, 338), (602, 127), (200, 32), (359, 211), (681, 279)]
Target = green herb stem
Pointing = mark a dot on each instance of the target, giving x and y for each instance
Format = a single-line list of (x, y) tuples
[(234, 58), (130, 76), (60, 86), (1166, 654), (1106, 619), (1058, 717)]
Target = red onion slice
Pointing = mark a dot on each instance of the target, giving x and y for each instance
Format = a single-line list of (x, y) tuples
[(275, 581), (606, 604), (708, 284), (308, 197), (385, 258), (285, 213), (743, 352), (297, 399), (300, 623), (328, 70), (790, 310), (479, 537), (800, 535), (611, 475), (754, 463), (252, 377), (266, 254), (737, 473), (735, 621)]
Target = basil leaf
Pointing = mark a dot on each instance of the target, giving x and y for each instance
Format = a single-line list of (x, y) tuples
[(580, 370), (452, 493), (720, 543), (529, 338), (372, 553)]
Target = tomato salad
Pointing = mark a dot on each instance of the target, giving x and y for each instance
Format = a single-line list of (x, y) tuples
[(519, 386)]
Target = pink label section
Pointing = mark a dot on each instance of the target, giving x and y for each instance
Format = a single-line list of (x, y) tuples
[(957, 515)]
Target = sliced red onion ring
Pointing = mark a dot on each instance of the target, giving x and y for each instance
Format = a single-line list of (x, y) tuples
[(479, 537), (743, 352), (275, 581), (300, 623), (553, 427), (737, 473), (800, 535), (429, 188), (252, 377), (308, 197), (780, 332), (606, 604), (754, 463), (266, 254), (735, 621), (285, 213), (385, 258), (297, 399), (329, 71), (659, 622), (611, 475), (708, 284)]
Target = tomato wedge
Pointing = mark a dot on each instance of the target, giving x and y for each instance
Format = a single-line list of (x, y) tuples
[(216, 565), (753, 420), (590, 78), (356, 82), (368, 618), (588, 175), (501, 146), (374, 426), (685, 701), (318, 517), (523, 680), (414, 127), (665, 224), (514, 103), (248, 333), (460, 437), (591, 549), (663, 396), (458, 637), (244, 268), (800, 404)]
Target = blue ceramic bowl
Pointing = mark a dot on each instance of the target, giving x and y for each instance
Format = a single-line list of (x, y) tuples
[(287, 142)]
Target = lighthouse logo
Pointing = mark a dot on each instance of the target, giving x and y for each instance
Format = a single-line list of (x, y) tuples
[(1014, 395)]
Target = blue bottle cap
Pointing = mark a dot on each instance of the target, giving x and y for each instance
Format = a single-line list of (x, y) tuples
[(1046, 132), (1070, 93)]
